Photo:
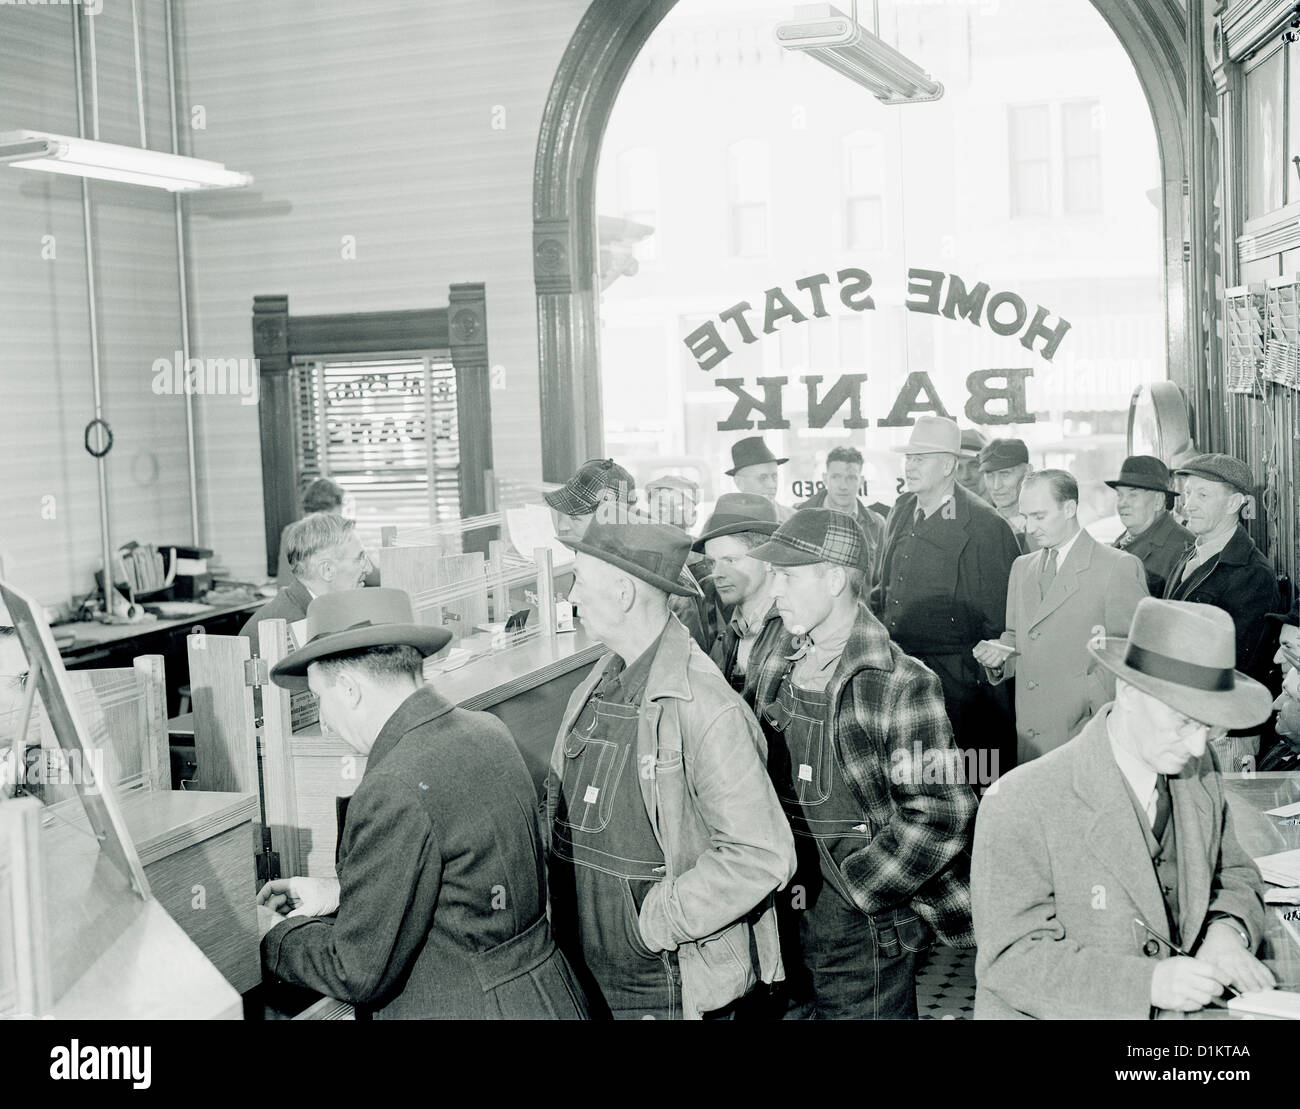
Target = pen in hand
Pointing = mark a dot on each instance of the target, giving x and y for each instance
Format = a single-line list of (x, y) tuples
[(1177, 950)]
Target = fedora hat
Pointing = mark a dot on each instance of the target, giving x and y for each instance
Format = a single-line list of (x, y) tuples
[(655, 553), (932, 435), (751, 452), (1145, 471), (972, 442), (737, 512), (357, 618), (1184, 654)]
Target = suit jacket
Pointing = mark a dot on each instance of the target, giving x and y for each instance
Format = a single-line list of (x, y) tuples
[(1061, 870), (956, 591), (1239, 581), (442, 906), (892, 739), (1057, 686), (1161, 548), (290, 605)]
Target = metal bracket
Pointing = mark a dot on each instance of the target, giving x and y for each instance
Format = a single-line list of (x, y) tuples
[(256, 672)]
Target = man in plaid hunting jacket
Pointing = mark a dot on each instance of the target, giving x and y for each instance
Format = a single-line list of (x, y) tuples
[(862, 757)]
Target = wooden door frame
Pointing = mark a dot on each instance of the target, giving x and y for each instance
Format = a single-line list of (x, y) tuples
[(279, 338), (566, 252)]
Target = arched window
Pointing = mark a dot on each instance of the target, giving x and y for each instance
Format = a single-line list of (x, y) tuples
[(638, 195)]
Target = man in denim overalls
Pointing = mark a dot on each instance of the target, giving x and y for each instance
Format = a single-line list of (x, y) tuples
[(666, 838), (862, 757)]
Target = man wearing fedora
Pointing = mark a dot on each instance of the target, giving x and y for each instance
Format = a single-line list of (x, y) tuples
[(1057, 596), (1097, 866), (666, 839), (969, 474), (1005, 465), (740, 522), (942, 582), (439, 907), (1143, 498), (754, 470), (861, 753), (604, 491), (843, 480)]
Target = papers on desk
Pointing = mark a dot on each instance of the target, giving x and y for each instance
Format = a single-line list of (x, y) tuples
[(175, 610), (1284, 810), (1282, 869), (1277, 1004)]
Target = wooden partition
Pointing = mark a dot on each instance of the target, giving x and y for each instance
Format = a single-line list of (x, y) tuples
[(225, 743)]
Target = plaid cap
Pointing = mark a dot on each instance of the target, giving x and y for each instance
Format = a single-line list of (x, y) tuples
[(814, 535), (598, 480)]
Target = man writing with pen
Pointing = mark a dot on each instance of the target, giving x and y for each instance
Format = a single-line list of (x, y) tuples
[(1106, 879)]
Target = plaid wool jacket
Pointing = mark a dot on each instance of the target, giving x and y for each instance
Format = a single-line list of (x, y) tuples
[(893, 741)]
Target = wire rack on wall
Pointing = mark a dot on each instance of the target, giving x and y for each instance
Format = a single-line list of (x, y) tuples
[(1262, 399)]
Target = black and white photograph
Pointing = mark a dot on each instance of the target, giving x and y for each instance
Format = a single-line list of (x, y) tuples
[(678, 510)]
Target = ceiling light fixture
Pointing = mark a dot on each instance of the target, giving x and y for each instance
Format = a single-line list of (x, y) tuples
[(108, 161), (824, 32)]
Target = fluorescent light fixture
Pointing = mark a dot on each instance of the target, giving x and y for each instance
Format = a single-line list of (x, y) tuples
[(107, 161), (824, 32)]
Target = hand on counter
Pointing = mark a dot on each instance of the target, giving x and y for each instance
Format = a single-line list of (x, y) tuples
[(1223, 949), (290, 897)]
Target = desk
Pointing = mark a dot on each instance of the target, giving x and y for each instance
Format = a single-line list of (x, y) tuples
[(116, 645), (1248, 798)]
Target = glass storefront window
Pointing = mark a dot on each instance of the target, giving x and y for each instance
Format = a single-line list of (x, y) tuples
[(1264, 136)]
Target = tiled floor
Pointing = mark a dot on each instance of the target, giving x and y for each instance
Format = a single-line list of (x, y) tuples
[(945, 984)]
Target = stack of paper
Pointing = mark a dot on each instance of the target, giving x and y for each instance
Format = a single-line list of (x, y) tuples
[(1278, 1004), (1282, 869)]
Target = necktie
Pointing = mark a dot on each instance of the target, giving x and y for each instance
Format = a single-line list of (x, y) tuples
[(1124, 541), (1047, 573), (1163, 807)]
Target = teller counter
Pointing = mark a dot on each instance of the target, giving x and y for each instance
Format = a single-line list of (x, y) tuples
[(1250, 796)]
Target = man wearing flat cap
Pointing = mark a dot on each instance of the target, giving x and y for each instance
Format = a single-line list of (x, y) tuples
[(604, 491), (741, 522), (666, 839), (860, 750), (942, 583), (1005, 465), (439, 906), (754, 470), (1143, 497), (1096, 866), (1226, 569)]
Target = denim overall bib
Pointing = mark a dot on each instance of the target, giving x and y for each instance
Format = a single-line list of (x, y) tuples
[(854, 969), (604, 860)]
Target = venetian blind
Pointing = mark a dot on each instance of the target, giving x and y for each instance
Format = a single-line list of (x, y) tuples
[(386, 431)]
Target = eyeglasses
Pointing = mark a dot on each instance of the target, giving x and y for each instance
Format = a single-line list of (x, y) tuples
[(1186, 726)]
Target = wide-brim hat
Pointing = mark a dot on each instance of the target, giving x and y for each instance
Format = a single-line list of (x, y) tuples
[(1184, 654), (932, 435), (737, 512), (357, 618), (972, 442), (751, 452), (655, 553), (1145, 471)]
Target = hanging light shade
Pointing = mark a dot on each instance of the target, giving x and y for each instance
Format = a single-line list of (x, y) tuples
[(108, 161)]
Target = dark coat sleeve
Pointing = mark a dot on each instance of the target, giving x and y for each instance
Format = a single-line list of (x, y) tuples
[(388, 889), (1253, 596), (986, 566)]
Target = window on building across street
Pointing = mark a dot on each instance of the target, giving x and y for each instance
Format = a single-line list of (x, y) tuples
[(864, 186), (1029, 148), (1081, 156), (638, 193), (748, 189)]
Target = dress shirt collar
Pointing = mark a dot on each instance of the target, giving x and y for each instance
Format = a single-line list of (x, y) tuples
[(1063, 550), (1140, 777), (1211, 545), (754, 611), (921, 514)]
